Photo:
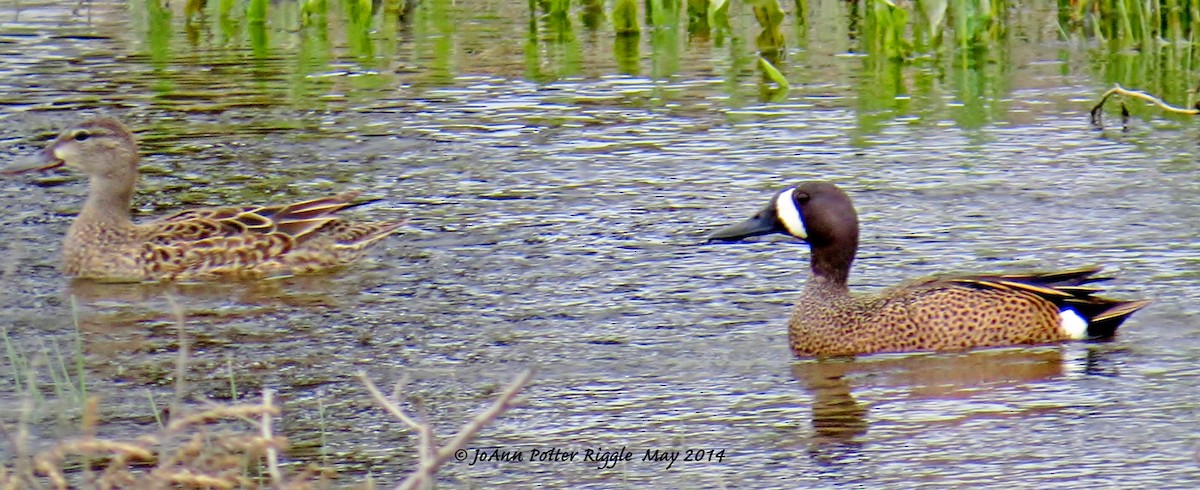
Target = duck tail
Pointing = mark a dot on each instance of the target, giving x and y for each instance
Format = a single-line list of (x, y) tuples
[(1092, 317), (1084, 314), (1104, 323)]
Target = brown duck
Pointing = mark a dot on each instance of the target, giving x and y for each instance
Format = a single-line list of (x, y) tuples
[(208, 243), (936, 313)]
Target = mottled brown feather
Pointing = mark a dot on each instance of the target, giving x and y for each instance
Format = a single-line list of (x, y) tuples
[(207, 243)]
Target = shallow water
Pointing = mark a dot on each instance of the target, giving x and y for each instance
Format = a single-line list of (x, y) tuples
[(557, 222)]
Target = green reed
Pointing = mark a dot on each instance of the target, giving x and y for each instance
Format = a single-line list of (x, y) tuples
[(697, 13), (902, 30), (592, 14), (31, 363), (256, 11), (358, 34), (560, 45), (225, 8), (1131, 22), (770, 40), (557, 8), (625, 17), (900, 42), (1149, 46), (886, 28), (314, 11), (665, 19)]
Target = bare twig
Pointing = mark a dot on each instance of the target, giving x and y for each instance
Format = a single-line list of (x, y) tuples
[(267, 435), (1119, 90), (426, 447), (501, 405), (387, 404), (219, 412), (429, 466), (91, 416)]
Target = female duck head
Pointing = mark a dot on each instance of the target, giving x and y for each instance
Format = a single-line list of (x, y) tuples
[(100, 147), (104, 150), (816, 212)]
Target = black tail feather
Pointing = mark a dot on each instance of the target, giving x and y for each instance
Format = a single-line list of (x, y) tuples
[(1104, 324)]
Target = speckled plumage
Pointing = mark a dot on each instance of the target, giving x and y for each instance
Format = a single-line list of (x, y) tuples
[(197, 244), (937, 313)]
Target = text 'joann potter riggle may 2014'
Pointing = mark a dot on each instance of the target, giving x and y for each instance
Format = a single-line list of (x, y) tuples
[(603, 458)]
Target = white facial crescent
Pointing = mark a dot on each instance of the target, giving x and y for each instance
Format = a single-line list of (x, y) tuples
[(789, 214)]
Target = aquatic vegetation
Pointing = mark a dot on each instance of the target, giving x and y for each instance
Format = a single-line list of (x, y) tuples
[(1152, 46), (885, 30), (303, 40), (772, 75), (896, 30), (706, 15), (770, 40), (221, 446), (230, 445), (30, 365), (665, 18), (624, 17), (256, 11), (903, 30), (314, 9), (1129, 22)]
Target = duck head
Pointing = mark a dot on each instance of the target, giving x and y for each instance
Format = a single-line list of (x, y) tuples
[(816, 212), (101, 148)]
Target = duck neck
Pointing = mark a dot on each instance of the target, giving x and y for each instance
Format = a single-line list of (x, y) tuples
[(108, 201), (831, 264)]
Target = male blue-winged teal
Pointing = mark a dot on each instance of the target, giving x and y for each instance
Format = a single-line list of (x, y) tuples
[(208, 243), (935, 313)]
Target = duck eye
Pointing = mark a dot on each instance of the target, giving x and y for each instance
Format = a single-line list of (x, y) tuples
[(82, 135), (802, 197)]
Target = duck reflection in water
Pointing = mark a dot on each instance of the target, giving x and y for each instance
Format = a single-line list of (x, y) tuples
[(840, 420)]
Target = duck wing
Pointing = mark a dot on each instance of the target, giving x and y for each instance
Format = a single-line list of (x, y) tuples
[(233, 239), (1070, 289)]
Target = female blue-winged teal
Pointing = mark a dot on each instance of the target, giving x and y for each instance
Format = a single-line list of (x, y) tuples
[(251, 242), (936, 313)]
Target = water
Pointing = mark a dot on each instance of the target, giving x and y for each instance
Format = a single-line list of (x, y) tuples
[(557, 219)]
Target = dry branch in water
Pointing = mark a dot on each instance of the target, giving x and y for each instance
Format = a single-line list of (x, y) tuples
[(206, 448), (211, 458), (1097, 113), (197, 449), (208, 459), (431, 457)]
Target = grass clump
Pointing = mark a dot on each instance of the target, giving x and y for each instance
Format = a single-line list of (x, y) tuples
[(217, 445)]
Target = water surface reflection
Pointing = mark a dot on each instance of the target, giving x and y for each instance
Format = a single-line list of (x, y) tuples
[(557, 195)]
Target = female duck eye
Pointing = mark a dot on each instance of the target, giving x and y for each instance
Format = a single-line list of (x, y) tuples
[(82, 135)]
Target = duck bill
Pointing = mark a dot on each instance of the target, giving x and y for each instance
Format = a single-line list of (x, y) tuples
[(762, 223), (42, 161)]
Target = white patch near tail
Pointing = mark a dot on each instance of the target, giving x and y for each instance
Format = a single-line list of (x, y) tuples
[(1073, 324), (789, 214)]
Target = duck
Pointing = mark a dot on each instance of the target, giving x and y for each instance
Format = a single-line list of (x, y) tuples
[(936, 313), (254, 242)]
